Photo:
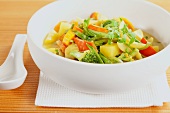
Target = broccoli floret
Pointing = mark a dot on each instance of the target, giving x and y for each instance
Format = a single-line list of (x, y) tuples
[(85, 56), (90, 56)]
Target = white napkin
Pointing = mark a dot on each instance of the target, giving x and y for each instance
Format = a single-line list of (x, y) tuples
[(51, 94)]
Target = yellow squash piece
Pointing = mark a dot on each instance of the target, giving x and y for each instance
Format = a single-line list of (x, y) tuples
[(156, 48), (69, 35), (53, 50), (150, 40), (110, 50), (51, 37)]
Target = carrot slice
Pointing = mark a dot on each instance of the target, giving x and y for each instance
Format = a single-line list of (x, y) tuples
[(57, 27), (76, 28), (97, 28), (94, 15), (82, 44)]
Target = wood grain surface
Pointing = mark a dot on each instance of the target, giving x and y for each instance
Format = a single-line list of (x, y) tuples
[(14, 16)]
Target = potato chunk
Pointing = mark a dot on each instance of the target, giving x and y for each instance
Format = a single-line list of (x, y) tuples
[(110, 50)]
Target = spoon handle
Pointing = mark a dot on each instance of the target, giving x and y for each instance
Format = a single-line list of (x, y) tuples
[(17, 47)]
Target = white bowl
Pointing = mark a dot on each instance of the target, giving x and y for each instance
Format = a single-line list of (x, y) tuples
[(100, 78)]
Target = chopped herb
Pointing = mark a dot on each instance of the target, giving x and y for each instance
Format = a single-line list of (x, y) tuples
[(132, 37), (57, 51), (123, 39), (107, 22), (125, 29)]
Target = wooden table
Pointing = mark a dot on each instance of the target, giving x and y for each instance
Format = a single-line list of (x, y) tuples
[(14, 16)]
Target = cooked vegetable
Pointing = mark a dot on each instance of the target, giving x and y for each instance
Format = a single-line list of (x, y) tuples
[(95, 53), (71, 47), (51, 37), (90, 56), (76, 28), (138, 56), (98, 39), (81, 35), (57, 27), (126, 57), (148, 51), (139, 45), (68, 36), (156, 48), (97, 16), (94, 15), (110, 50), (61, 45), (123, 47), (97, 28), (129, 24), (82, 44), (100, 42), (105, 60), (53, 50), (79, 55), (139, 34), (116, 60), (64, 27), (143, 40)]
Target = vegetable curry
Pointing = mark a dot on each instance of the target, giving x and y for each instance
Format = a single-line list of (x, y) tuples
[(98, 39)]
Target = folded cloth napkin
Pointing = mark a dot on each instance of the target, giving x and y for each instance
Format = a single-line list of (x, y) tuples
[(51, 94)]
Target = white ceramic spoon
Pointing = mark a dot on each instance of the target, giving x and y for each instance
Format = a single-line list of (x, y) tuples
[(12, 71)]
